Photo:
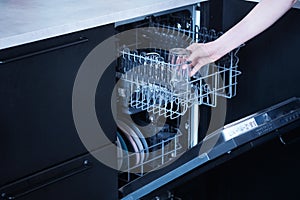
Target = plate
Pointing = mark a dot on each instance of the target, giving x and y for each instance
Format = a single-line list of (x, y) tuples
[(119, 153), (126, 131), (137, 140), (124, 152), (123, 144), (141, 137)]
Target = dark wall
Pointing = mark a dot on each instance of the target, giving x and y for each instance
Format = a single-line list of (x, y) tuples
[(269, 62)]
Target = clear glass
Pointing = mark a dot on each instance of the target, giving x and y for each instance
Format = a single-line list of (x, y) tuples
[(179, 75)]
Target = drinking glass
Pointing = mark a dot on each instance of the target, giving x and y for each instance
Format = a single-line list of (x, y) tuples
[(179, 76)]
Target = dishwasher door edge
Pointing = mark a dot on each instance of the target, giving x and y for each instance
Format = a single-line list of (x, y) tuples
[(194, 163)]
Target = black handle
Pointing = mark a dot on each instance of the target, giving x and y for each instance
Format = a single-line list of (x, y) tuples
[(23, 187), (79, 41)]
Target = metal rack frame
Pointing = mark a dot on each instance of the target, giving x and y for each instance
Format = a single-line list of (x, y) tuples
[(159, 154), (148, 75)]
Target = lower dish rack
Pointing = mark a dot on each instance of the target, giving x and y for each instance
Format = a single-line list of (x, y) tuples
[(135, 164)]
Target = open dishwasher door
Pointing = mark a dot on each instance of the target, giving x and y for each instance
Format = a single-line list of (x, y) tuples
[(241, 135)]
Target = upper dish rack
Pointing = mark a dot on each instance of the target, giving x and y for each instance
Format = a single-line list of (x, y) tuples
[(146, 74)]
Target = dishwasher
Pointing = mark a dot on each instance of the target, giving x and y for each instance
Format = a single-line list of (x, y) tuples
[(165, 134), (163, 122)]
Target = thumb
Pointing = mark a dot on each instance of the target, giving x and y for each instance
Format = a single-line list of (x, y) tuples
[(197, 67)]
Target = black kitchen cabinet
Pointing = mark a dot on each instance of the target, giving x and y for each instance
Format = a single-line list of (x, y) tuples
[(83, 177), (37, 130)]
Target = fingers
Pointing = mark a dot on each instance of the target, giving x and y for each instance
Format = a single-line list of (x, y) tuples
[(200, 63), (195, 69), (200, 56), (186, 65), (198, 53), (195, 55), (192, 59)]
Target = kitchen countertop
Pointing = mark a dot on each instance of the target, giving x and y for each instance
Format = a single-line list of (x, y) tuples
[(23, 22)]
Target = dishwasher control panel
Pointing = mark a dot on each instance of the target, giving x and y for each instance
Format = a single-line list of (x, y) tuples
[(263, 122)]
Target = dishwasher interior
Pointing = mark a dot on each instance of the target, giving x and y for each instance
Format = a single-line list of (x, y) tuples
[(157, 120)]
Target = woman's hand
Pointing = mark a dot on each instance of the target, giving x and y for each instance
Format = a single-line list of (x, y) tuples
[(202, 54)]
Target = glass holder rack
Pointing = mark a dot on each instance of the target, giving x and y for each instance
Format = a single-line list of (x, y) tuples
[(146, 74)]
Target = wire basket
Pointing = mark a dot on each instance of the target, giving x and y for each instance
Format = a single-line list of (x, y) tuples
[(146, 75), (161, 152)]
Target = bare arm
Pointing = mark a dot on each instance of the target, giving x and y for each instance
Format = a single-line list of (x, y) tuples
[(262, 16)]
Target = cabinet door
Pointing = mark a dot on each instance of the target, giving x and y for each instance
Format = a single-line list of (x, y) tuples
[(36, 83), (80, 178)]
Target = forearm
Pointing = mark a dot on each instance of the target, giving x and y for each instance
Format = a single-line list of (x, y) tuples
[(262, 16)]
